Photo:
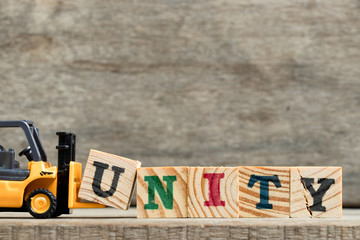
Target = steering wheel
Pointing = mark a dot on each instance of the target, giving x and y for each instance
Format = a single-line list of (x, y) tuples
[(27, 152)]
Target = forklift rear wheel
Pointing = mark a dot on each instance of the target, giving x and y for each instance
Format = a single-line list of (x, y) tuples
[(41, 203)]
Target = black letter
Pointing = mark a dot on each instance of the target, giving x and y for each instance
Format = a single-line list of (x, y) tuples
[(325, 184), (100, 167)]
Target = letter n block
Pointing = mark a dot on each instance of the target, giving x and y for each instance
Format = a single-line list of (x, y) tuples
[(213, 192), (316, 192), (161, 192), (264, 192), (108, 179)]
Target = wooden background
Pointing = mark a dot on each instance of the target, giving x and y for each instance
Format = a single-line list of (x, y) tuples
[(207, 82)]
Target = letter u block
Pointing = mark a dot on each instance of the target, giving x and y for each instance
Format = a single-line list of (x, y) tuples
[(161, 192), (108, 179), (213, 192), (264, 192), (316, 192)]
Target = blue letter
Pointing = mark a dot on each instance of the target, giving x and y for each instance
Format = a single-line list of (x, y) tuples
[(264, 189)]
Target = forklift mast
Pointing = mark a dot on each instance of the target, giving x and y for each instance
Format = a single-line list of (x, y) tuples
[(66, 154)]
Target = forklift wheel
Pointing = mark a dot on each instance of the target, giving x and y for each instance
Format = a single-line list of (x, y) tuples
[(41, 203), (55, 214)]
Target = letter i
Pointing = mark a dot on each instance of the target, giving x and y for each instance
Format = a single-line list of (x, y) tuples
[(214, 189)]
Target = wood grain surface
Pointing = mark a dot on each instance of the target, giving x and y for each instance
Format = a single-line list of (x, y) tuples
[(109, 223), (188, 83), (178, 207), (199, 192), (124, 186), (278, 196), (301, 199)]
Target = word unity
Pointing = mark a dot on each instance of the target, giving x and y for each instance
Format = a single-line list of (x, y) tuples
[(213, 192)]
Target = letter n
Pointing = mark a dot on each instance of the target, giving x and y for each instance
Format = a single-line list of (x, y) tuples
[(166, 196)]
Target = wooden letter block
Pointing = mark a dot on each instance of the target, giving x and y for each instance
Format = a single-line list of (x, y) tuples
[(213, 192), (108, 179), (316, 192), (161, 192), (264, 192)]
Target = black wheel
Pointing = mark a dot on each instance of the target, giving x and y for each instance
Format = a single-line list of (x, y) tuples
[(41, 203), (56, 214)]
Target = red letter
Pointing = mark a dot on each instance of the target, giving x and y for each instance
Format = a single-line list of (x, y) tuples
[(214, 189)]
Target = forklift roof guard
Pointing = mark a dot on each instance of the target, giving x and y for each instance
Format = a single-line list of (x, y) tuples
[(32, 135)]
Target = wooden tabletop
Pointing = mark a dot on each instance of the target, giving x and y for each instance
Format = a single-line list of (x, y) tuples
[(111, 223)]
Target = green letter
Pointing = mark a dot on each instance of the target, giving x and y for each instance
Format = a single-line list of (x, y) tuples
[(165, 196)]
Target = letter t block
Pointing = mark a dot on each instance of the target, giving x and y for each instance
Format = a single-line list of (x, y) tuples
[(264, 192), (161, 192)]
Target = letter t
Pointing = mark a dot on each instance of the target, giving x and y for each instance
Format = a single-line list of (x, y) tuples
[(264, 189)]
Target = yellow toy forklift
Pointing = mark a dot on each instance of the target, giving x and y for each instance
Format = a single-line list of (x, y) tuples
[(43, 190)]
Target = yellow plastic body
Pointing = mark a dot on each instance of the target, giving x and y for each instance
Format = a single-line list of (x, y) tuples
[(14, 193), (74, 187), (42, 175)]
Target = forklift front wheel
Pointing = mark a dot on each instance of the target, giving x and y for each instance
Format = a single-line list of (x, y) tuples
[(41, 203)]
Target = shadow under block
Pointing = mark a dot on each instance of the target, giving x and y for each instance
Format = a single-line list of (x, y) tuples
[(264, 192), (161, 192), (213, 192), (108, 179), (316, 192)]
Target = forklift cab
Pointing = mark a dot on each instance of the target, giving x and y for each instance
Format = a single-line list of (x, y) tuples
[(10, 168)]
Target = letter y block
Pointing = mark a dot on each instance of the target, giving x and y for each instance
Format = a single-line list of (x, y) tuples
[(108, 179), (316, 192)]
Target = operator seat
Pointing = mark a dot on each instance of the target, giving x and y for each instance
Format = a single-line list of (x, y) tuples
[(9, 168), (7, 158), (2, 151)]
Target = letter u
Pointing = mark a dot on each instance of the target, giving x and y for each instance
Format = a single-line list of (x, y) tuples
[(99, 172)]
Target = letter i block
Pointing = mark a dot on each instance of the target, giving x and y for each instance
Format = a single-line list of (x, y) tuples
[(213, 192), (264, 192), (161, 192), (316, 192), (108, 179)]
